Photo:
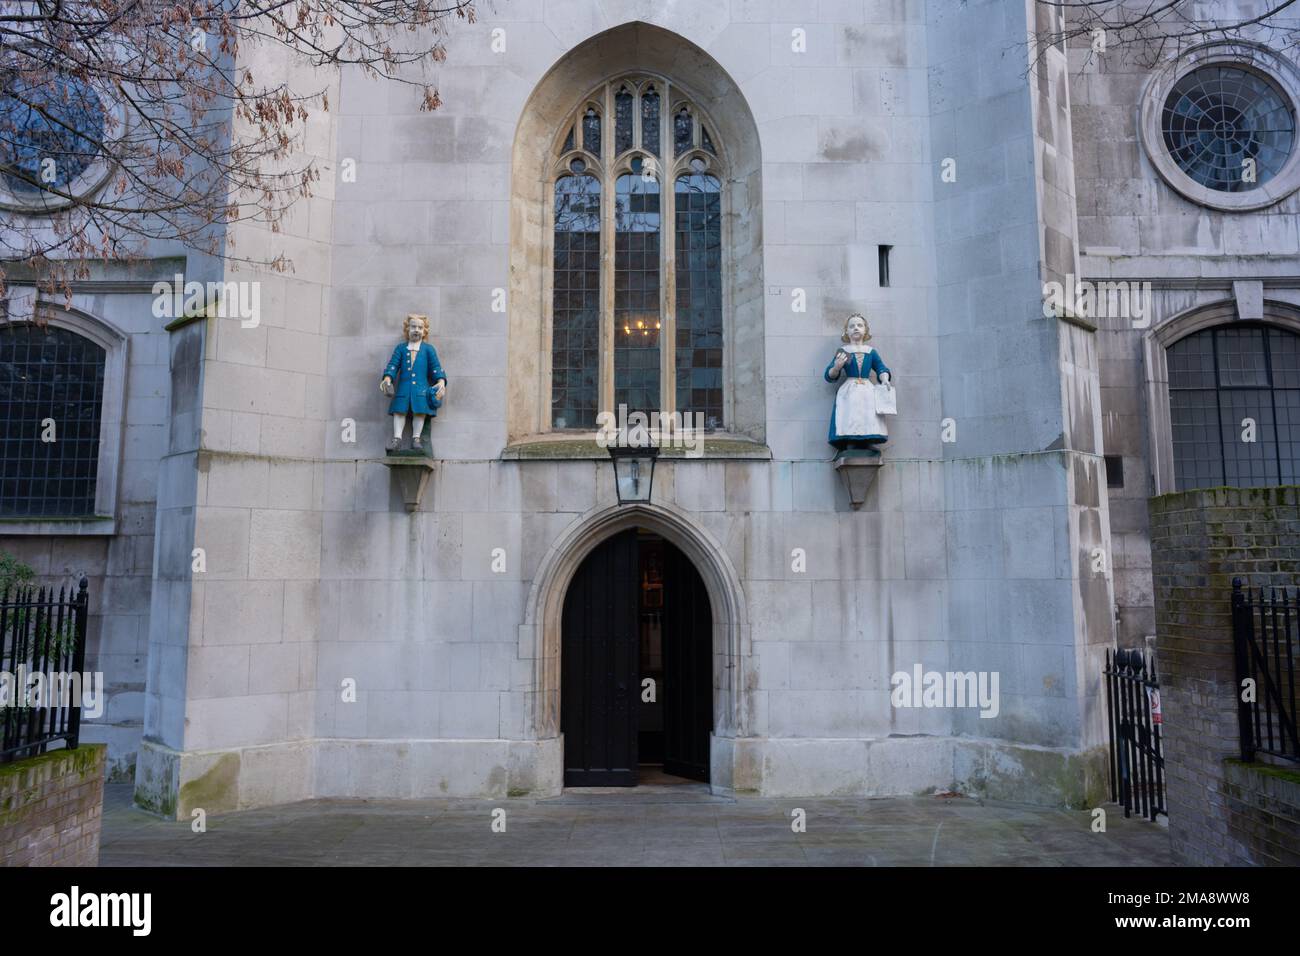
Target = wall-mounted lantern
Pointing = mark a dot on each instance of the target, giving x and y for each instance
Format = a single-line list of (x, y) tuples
[(634, 472)]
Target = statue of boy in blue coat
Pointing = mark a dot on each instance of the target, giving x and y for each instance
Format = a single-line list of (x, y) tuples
[(415, 380)]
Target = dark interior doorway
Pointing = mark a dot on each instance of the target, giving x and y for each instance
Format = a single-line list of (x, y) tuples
[(637, 666)]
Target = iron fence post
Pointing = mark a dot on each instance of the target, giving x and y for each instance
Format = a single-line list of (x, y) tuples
[(78, 660)]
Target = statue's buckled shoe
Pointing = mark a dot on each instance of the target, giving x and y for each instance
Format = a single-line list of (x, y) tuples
[(394, 444)]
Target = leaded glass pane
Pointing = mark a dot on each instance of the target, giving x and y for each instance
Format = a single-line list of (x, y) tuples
[(636, 293), (1241, 357), (49, 373), (705, 142), (623, 103), (1284, 347), (1216, 118), (1249, 446), (699, 297), (575, 342), (650, 120), (1198, 456), (568, 140), (1234, 397), (1191, 363), (682, 132), (591, 132)]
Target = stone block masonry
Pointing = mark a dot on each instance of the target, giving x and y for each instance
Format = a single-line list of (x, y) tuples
[(50, 808), (1221, 812)]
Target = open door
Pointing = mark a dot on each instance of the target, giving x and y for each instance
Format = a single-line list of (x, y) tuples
[(600, 662), (688, 669)]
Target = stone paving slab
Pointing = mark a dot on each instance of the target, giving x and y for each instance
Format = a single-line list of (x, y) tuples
[(642, 827)]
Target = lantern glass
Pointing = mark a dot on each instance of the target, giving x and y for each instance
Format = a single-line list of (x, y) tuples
[(634, 470)]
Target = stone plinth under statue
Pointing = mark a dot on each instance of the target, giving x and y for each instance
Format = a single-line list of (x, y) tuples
[(412, 470), (857, 468)]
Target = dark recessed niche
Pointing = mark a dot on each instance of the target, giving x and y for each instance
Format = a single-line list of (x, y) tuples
[(1114, 471)]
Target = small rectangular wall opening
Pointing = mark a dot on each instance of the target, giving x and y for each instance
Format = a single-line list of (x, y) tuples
[(883, 258), (1114, 471)]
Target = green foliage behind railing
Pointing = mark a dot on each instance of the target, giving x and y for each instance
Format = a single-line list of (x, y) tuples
[(51, 641)]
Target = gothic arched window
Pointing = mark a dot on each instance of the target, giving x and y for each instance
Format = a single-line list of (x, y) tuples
[(1234, 404), (636, 281)]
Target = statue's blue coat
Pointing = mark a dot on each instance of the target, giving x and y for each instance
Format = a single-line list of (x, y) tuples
[(413, 379), (856, 368)]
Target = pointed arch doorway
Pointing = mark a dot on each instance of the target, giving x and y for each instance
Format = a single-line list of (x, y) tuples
[(636, 665)]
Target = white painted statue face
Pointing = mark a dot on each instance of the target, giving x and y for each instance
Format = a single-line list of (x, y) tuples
[(857, 329), (416, 332)]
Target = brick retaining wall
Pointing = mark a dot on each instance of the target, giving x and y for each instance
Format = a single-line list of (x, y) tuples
[(50, 808), (1200, 541)]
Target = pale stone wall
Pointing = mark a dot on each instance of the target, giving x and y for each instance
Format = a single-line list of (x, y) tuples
[(232, 646), (969, 555), (1022, 510)]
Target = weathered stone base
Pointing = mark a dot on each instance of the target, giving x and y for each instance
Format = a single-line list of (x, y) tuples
[(174, 784), (905, 766)]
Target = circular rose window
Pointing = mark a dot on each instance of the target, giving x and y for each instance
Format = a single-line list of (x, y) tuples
[(1228, 128), (1219, 125), (51, 138)]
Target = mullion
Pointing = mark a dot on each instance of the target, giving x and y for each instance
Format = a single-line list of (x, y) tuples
[(1218, 401), (1272, 401)]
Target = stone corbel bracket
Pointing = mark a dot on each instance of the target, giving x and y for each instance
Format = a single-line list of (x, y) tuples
[(413, 473), (857, 468)]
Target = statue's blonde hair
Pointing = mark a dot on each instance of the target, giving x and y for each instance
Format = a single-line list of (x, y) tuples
[(406, 325), (866, 335)]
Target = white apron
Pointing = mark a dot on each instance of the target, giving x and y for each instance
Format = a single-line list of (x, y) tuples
[(855, 405)]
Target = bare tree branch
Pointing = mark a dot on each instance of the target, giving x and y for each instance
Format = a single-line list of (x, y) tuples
[(152, 98)]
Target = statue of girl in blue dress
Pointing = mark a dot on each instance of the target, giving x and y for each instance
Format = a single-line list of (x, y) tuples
[(415, 380), (855, 421)]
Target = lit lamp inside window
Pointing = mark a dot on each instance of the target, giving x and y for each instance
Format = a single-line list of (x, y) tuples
[(642, 324)]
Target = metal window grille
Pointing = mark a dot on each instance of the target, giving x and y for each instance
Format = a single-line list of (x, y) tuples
[(51, 398)]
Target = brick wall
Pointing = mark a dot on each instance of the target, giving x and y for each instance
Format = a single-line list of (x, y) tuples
[(1200, 540), (50, 808), (1264, 811)]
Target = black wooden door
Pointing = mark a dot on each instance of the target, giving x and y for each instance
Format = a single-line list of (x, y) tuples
[(688, 669), (600, 668)]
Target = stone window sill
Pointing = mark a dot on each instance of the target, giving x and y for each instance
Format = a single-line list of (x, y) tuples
[(81, 526), (564, 446)]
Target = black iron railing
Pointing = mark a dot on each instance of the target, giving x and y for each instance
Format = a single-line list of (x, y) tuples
[(41, 633), (1137, 762), (1266, 639)]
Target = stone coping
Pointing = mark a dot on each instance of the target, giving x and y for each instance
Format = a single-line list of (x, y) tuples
[(561, 447), (20, 776)]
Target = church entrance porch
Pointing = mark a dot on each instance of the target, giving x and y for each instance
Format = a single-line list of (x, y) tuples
[(636, 666)]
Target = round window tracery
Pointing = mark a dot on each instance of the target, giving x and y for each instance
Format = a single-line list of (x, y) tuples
[(1218, 123), (52, 138), (1228, 128)]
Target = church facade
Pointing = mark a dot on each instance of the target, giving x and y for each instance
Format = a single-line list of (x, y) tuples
[(677, 208)]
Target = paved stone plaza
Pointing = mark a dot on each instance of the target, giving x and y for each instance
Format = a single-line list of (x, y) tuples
[(654, 826)]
